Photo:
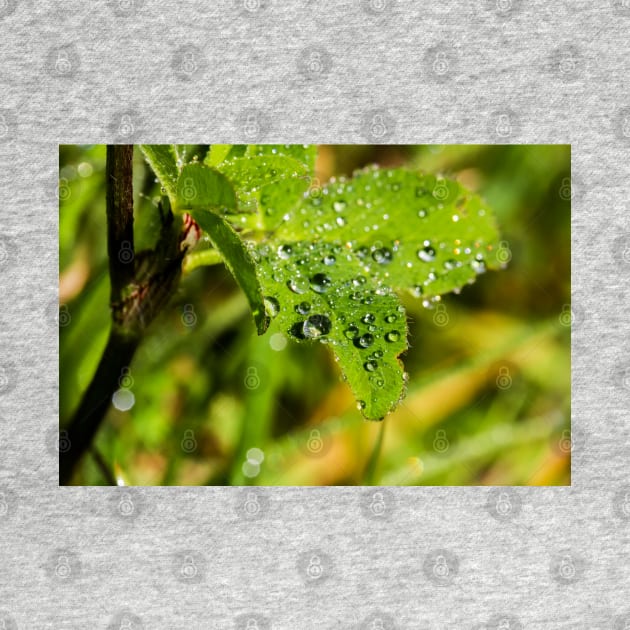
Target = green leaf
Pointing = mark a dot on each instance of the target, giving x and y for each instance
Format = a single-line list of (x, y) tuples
[(237, 260), (306, 154), (342, 251), (411, 231), (201, 187), (217, 153), (255, 177), (316, 291), (163, 160)]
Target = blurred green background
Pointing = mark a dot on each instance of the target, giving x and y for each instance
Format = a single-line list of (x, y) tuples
[(489, 370)]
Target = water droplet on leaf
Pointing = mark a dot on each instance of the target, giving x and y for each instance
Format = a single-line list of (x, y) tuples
[(320, 283), (285, 251), (426, 253), (272, 306), (364, 341), (303, 308), (316, 326)]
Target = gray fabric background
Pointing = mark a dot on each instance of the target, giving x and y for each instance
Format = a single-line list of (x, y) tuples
[(265, 70)]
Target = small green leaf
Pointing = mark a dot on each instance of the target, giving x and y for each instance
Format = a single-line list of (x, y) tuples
[(237, 260), (254, 177), (201, 187), (319, 292), (163, 160), (303, 153), (216, 154)]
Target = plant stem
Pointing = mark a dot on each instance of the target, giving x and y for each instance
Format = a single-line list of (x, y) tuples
[(370, 468), (141, 285)]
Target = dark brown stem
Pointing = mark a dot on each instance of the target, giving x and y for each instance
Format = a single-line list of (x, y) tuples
[(141, 285), (119, 176)]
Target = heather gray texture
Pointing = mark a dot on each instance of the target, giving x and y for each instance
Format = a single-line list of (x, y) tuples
[(265, 70)]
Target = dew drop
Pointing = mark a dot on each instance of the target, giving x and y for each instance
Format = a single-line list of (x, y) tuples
[(340, 221), (272, 306), (303, 308), (392, 336), (364, 341), (360, 404), (298, 285), (370, 366), (339, 206), (382, 255), (359, 280), (390, 319), (368, 318), (426, 253), (351, 332), (478, 265), (450, 264), (421, 191), (316, 326), (285, 251), (329, 260), (320, 283), (422, 214)]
